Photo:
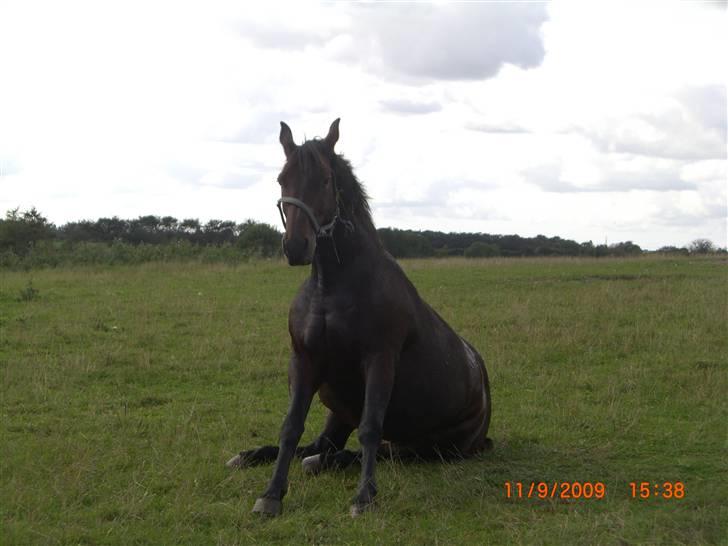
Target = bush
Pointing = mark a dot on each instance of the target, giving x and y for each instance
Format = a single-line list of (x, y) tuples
[(21, 230), (481, 250), (405, 243), (259, 240), (29, 293), (672, 250), (702, 246)]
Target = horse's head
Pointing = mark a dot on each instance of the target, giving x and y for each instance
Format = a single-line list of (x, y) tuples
[(308, 201)]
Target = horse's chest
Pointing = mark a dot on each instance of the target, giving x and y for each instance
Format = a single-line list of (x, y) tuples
[(331, 329), (341, 327)]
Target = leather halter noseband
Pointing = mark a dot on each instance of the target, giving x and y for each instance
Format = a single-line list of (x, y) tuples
[(322, 232)]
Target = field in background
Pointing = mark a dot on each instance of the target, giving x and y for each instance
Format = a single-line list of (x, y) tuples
[(124, 390)]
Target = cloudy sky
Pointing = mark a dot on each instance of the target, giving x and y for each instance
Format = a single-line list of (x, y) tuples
[(591, 120)]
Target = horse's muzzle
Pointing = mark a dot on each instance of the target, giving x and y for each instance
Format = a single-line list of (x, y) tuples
[(298, 250)]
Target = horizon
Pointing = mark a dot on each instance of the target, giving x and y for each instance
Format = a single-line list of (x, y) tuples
[(237, 224), (583, 122)]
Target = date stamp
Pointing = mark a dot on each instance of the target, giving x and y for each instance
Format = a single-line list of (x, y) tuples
[(556, 490), (567, 490)]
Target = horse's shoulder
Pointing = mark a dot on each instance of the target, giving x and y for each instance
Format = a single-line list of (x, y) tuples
[(301, 302)]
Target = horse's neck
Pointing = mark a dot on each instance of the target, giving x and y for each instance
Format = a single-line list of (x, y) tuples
[(342, 257)]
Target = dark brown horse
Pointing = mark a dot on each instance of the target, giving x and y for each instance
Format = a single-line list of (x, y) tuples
[(382, 360)]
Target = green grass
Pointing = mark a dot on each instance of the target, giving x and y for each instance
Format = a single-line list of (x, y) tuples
[(124, 390)]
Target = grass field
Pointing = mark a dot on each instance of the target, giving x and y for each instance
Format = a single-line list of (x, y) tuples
[(124, 391)]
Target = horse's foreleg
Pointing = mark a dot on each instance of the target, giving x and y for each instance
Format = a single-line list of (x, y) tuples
[(379, 372), (303, 385)]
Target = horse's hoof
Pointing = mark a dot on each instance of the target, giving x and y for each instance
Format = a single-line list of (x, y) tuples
[(312, 464), (235, 462), (268, 507), (357, 509)]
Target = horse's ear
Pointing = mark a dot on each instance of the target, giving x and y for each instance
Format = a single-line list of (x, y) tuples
[(286, 139), (333, 135)]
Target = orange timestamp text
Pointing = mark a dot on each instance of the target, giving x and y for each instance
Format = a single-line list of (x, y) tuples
[(657, 490), (555, 490)]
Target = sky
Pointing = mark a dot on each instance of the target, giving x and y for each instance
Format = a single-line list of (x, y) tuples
[(601, 121)]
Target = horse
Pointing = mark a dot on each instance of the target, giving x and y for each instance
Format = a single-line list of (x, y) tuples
[(381, 359)]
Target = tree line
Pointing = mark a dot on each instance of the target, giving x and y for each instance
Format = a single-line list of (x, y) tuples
[(29, 233)]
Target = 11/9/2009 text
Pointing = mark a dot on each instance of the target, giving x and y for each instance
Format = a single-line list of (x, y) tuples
[(555, 490)]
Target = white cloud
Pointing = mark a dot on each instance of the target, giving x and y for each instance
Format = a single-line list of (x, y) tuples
[(425, 42), (405, 106), (692, 128), (615, 174), (414, 42)]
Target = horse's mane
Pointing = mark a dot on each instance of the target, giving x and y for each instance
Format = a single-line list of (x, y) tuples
[(315, 156)]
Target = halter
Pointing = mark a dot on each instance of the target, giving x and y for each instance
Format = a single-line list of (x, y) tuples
[(322, 232)]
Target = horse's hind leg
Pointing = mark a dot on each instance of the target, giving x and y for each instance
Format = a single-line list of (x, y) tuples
[(331, 441), (253, 457), (343, 459), (263, 455)]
